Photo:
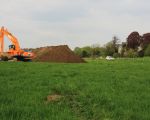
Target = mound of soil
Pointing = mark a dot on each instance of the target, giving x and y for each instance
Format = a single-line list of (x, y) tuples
[(56, 54)]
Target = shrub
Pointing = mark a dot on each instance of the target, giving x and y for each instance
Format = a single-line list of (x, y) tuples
[(147, 51), (131, 53), (141, 53), (84, 54), (116, 55)]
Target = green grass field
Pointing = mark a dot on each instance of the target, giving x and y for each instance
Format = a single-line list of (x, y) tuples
[(97, 90)]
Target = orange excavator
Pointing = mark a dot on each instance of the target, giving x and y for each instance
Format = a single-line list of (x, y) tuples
[(14, 52)]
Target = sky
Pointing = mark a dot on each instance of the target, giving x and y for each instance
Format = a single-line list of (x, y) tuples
[(38, 23)]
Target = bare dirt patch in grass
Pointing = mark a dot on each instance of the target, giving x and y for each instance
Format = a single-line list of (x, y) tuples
[(53, 98)]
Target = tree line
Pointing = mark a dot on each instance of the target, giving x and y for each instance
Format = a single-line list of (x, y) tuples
[(135, 46)]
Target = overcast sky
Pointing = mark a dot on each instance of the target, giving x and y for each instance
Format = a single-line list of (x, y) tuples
[(74, 22)]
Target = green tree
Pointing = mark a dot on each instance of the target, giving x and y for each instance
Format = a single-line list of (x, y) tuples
[(78, 51), (88, 49), (95, 50), (84, 54), (112, 47)]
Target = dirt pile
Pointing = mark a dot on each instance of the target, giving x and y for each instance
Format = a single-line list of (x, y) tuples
[(56, 54)]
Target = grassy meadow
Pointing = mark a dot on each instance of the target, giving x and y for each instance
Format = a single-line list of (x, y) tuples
[(97, 90)]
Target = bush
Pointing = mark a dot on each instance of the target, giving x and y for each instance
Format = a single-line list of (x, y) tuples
[(84, 54), (131, 53), (116, 55), (147, 51), (141, 53)]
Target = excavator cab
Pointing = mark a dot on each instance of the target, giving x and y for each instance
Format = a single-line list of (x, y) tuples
[(12, 47)]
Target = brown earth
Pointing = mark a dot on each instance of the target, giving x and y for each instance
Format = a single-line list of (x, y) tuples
[(60, 53), (53, 98)]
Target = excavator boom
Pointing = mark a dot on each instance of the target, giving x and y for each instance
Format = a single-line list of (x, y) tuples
[(1, 42), (11, 37)]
